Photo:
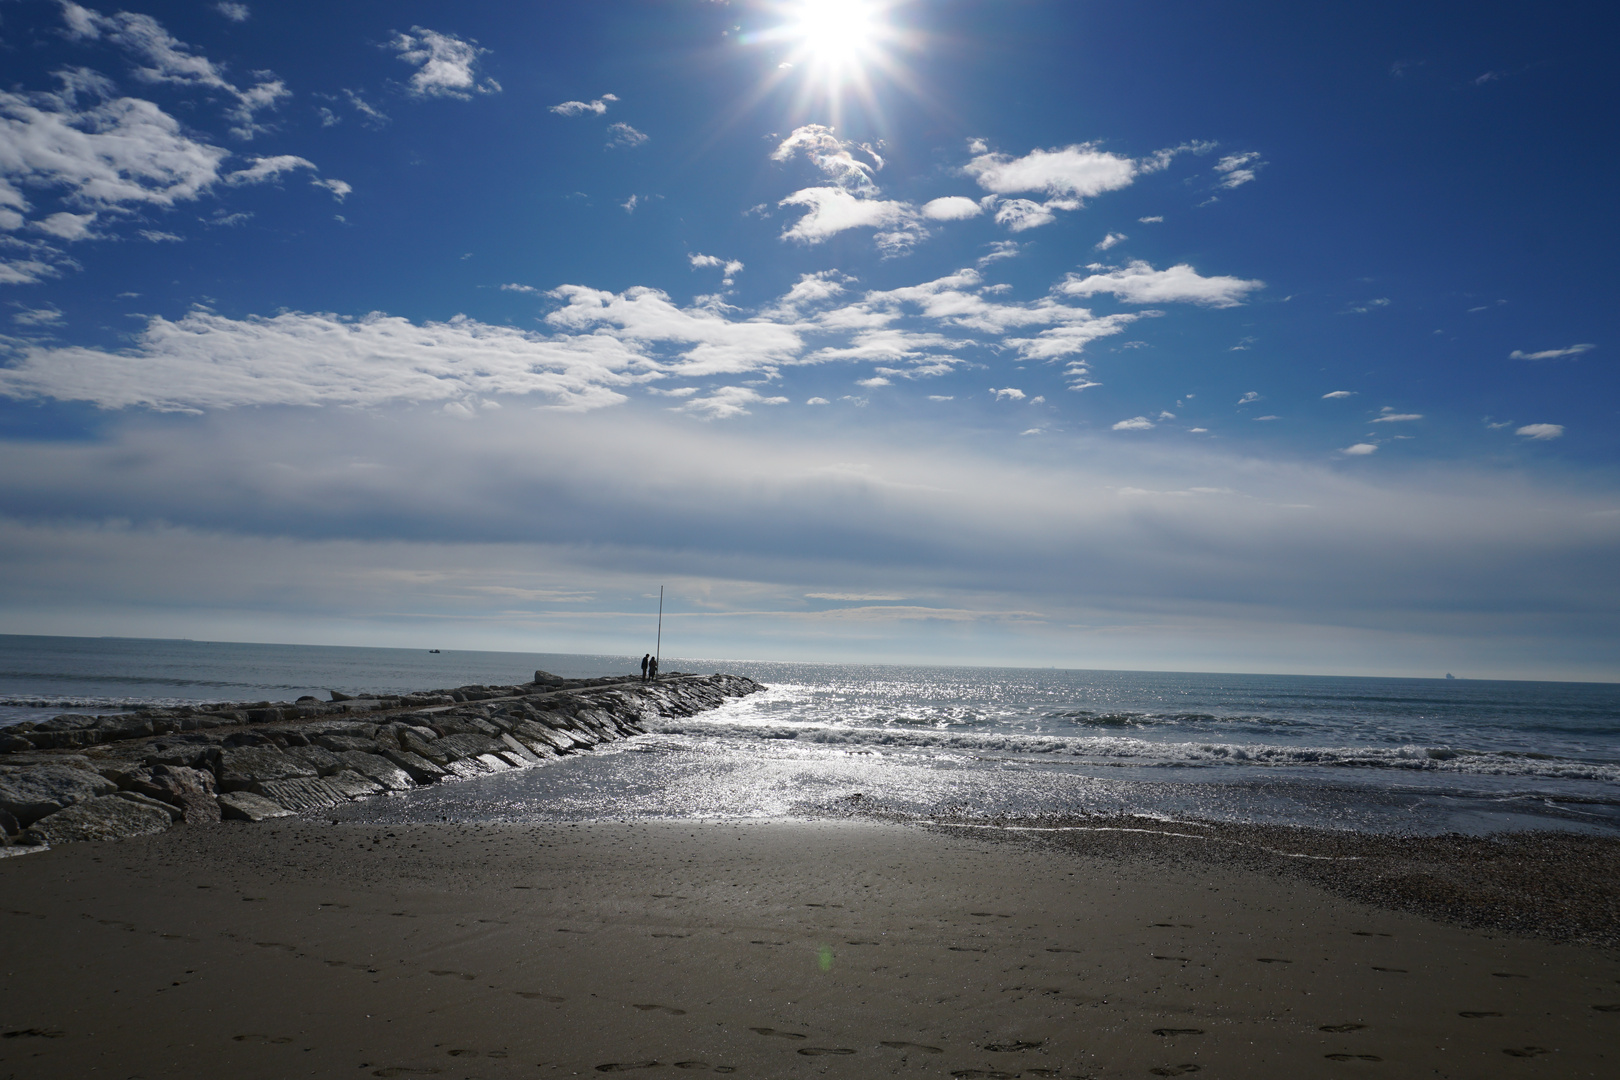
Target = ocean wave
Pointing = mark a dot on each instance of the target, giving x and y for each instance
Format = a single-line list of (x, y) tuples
[(1090, 718), (1122, 750)]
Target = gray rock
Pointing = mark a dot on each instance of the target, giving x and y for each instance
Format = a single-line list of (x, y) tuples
[(495, 762), (524, 754), (420, 769), (190, 791), (536, 735), (419, 742), (33, 793), (308, 793), (466, 725), (12, 744), (241, 768), (340, 743), (355, 786), (174, 812), (246, 806), (378, 768), (322, 760), (8, 826), (465, 745), (107, 817)]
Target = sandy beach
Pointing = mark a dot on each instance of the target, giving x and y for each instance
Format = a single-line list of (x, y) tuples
[(846, 948)]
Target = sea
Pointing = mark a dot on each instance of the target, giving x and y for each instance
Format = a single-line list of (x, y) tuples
[(1394, 756)]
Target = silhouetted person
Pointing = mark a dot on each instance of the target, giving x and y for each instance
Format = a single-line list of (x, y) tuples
[(645, 661), (652, 668)]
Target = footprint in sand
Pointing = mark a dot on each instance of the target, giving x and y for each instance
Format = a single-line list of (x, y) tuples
[(1178, 1031), (966, 948), (672, 935), (862, 943), (457, 974), (898, 1045), (34, 1033), (1183, 959), (1339, 1029), (1352, 1057), (1398, 971), (1525, 1051), (662, 1008), (535, 995), (1272, 960), (1473, 1014), (626, 1066), (1509, 975), (983, 1074), (401, 1070), (1011, 1047), (1174, 1070), (278, 1039), (988, 915), (778, 1034), (818, 1051), (1607, 1008), (275, 945)]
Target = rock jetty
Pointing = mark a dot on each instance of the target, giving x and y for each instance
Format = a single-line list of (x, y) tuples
[(79, 777)]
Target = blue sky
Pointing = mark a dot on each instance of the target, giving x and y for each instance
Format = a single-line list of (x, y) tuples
[(1261, 337)]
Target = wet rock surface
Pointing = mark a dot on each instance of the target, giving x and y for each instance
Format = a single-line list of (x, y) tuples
[(81, 777)]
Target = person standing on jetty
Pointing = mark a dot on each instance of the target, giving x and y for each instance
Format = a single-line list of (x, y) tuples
[(652, 668), (645, 660)]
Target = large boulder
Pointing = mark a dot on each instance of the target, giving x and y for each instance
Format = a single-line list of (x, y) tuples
[(340, 743), (246, 806), (41, 790), (420, 769), (106, 817), (308, 793), (189, 790), (465, 745), (241, 768), (319, 758), (378, 768)]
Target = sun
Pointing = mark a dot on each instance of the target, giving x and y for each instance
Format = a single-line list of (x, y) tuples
[(837, 33)]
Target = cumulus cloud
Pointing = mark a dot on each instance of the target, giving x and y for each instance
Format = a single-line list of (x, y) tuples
[(1154, 220), (165, 59), (1019, 215), (1360, 449), (728, 401), (1135, 423), (1387, 415), (832, 155), (1541, 431), (579, 108), (1111, 240), (1551, 354), (729, 268), (1000, 249), (951, 208), (446, 65), (1077, 171), (45, 316), (1139, 283), (1238, 169), (1010, 393), (1332, 394), (832, 210), (66, 226), (268, 168), (625, 136), (232, 11)]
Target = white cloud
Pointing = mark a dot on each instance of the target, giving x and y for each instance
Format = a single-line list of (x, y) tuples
[(339, 189), (1551, 354), (26, 271), (1331, 394), (515, 287), (623, 135), (1369, 306), (832, 210), (728, 401), (208, 361), (817, 401), (1238, 169), (446, 64), (1388, 415), (1139, 283), (45, 316), (1154, 220), (1541, 431), (1019, 215), (1077, 172), (876, 380), (262, 169), (1249, 398), (729, 268), (1111, 240), (371, 114), (1360, 449), (951, 208), (1011, 393), (579, 108), (832, 155), (169, 60), (232, 11), (1135, 423), (941, 397), (629, 205), (158, 236), (66, 226), (1000, 249)]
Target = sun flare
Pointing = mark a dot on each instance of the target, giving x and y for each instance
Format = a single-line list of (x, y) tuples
[(838, 32)]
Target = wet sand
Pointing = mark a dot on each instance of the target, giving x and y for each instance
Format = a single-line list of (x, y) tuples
[(841, 948)]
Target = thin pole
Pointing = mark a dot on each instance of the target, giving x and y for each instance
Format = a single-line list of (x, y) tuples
[(658, 648)]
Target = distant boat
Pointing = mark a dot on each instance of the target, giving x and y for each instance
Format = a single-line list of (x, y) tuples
[(1449, 675), (436, 650)]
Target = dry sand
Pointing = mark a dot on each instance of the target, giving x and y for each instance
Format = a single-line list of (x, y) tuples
[(774, 949)]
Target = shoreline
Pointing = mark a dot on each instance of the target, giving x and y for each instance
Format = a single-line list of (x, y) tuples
[(843, 948)]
